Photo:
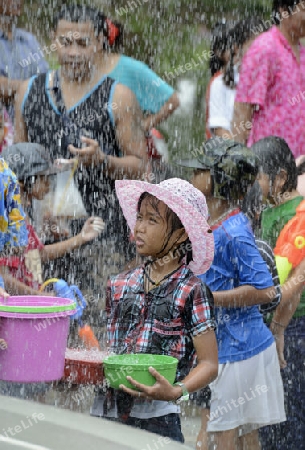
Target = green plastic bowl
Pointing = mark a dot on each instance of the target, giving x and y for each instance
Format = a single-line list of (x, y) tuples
[(118, 367)]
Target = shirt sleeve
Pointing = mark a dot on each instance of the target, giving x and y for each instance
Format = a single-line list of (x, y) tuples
[(13, 226), (200, 310), (252, 269), (268, 256), (152, 92), (41, 64), (256, 72), (218, 108)]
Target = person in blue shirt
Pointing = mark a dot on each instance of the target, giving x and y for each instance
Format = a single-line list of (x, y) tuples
[(248, 392), (21, 56)]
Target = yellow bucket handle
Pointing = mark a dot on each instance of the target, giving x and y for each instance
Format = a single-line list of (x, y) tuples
[(49, 281)]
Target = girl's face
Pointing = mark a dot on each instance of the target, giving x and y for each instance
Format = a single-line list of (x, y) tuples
[(201, 179), (272, 191), (152, 230)]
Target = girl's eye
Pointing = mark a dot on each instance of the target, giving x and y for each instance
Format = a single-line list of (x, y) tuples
[(139, 217), (152, 220)]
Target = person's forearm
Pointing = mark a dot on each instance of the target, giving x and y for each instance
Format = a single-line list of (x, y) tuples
[(242, 122), (167, 110), (284, 312), (8, 89), (59, 249), (129, 166), (243, 296), (203, 374), (16, 287), (291, 294)]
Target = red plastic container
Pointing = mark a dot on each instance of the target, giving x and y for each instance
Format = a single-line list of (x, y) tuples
[(84, 366)]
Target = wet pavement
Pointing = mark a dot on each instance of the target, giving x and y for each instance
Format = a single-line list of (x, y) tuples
[(31, 426)]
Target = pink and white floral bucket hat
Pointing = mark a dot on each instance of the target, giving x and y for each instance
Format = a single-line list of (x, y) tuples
[(186, 201)]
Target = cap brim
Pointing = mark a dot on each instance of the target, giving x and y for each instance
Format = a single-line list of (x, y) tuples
[(192, 164)]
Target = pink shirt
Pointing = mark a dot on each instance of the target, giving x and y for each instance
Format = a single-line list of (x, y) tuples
[(272, 78)]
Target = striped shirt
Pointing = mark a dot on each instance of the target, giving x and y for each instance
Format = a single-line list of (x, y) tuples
[(268, 256)]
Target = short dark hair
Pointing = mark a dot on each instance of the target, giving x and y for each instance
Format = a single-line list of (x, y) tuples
[(274, 155), (80, 13), (286, 5)]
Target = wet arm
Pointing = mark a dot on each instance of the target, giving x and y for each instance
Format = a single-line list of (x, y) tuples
[(207, 368), (53, 251), (20, 131), (167, 110), (243, 296), (14, 286), (291, 294), (130, 134), (243, 113)]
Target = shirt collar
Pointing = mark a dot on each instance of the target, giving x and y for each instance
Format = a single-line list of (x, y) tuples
[(281, 38), (17, 34), (136, 282)]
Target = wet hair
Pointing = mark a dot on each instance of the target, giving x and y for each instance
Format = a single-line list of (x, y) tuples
[(275, 155), (112, 30), (219, 44), (252, 206), (173, 223), (242, 32), (301, 168), (286, 5)]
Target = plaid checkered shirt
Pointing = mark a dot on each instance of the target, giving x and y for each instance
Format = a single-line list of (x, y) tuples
[(162, 321)]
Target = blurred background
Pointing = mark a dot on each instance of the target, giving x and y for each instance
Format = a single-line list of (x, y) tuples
[(165, 34)]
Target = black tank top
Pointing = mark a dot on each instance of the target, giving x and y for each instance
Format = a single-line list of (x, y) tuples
[(91, 117)]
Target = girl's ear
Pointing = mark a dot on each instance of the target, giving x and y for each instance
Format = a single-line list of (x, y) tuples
[(101, 40), (279, 182), (282, 176), (182, 235)]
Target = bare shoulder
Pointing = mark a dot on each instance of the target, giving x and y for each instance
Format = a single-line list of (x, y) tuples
[(124, 96)]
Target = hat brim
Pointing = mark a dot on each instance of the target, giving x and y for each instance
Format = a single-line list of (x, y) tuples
[(196, 226), (205, 163)]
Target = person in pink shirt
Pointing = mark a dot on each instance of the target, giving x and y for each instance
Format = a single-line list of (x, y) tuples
[(271, 89)]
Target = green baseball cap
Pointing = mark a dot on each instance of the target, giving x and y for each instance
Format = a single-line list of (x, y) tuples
[(232, 165)]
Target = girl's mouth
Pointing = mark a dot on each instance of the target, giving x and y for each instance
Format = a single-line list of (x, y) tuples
[(139, 242)]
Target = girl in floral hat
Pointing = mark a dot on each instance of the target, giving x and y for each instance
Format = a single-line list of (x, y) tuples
[(161, 307)]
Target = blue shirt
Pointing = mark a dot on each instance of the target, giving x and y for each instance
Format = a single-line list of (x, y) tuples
[(150, 91), (22, 57), (241, 332)]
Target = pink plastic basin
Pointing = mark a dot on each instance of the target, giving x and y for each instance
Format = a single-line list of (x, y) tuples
[(36, 342)]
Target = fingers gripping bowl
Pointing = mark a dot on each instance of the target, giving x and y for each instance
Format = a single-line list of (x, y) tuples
[(118, 367)]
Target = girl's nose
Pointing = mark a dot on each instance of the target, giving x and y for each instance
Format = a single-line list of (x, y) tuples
[(140, 226)]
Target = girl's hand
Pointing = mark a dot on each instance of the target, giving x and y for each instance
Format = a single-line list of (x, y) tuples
[(3, 344), (161, 390), (3, 293), (93, 227)]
